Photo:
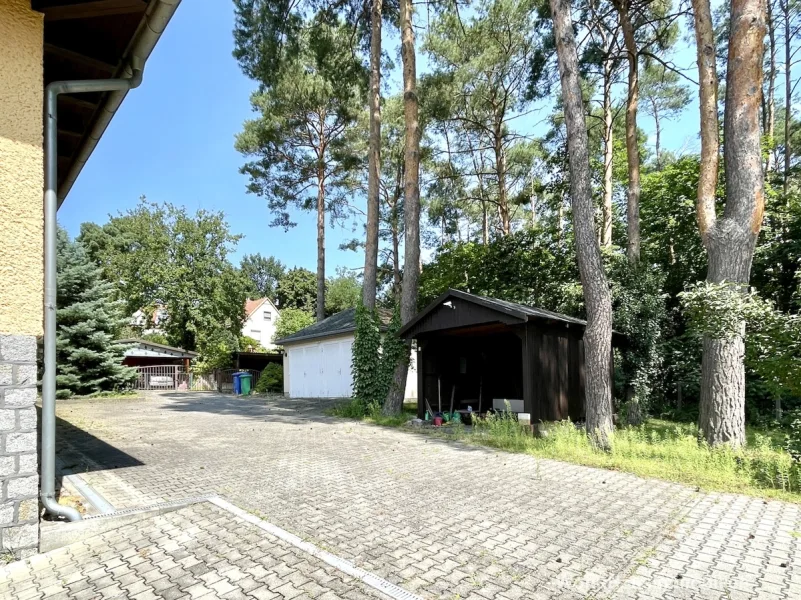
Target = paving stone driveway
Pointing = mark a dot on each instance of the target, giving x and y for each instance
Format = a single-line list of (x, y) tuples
[(440, 519), (199, 551)]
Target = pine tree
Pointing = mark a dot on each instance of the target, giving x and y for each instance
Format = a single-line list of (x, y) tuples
[(88, 359)]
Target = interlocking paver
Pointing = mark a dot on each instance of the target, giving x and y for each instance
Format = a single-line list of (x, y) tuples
[(439, 518), (164, 531)]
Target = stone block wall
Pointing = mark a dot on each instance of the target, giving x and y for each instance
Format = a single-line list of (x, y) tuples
[(19, 469)]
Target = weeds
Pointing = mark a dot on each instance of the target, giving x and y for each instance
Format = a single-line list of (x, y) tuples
[(656, 449), (355, 409)]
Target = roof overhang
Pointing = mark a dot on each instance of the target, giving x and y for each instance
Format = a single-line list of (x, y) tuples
[(93, 39), (509, 313), (144, 348)]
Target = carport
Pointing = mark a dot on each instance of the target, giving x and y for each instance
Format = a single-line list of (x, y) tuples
[(483, 351)]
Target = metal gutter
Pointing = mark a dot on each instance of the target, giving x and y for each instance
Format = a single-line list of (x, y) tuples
[(157, 16), (160, 14)]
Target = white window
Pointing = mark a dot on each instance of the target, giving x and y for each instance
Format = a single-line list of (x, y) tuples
[(255, 332), (268, 316)]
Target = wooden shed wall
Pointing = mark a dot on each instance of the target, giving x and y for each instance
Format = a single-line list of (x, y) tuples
[(553, 372)]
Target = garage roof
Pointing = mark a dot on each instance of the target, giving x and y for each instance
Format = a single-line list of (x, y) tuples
[(337, 324)]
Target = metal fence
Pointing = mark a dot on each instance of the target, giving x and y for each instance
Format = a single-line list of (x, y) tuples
[(175, 377)]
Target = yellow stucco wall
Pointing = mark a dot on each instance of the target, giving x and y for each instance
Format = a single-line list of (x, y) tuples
[(21, 174)]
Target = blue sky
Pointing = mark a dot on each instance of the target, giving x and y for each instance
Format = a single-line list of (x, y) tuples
[(172, 140)]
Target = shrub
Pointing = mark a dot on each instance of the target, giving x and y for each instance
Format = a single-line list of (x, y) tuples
[(354, 409), (271, 379), (792, 441)]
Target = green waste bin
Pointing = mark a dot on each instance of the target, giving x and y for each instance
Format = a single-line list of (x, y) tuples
[(244, 382)]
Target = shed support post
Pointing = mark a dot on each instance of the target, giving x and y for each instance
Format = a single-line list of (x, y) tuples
[(525, 334), (421, 388)]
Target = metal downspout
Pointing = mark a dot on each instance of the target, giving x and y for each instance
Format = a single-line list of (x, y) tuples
[(48, 485), (159, 14)]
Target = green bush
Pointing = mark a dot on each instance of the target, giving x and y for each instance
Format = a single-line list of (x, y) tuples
[(792, 441), (271, 379), (354, 409)]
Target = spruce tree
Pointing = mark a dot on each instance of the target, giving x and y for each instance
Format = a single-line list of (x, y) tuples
[(88, 359)]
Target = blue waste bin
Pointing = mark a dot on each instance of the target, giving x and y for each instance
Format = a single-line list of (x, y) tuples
[(237, 384)]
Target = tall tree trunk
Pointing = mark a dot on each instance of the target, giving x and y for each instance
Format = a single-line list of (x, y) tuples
[(411, 207), (560, 218), (606, 221), (708, 105), (373, 160), (484, 223), (658, 141), (396, 270), (395, 224), (730, 239), (770, 109), (598, 334), (320, 242), (500, 165), (632, 147), (788, 92)]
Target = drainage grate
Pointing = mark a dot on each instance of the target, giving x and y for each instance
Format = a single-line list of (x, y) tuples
[(374, 581), (151, 507)]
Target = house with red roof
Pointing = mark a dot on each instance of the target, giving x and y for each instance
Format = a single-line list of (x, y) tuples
[(260, 317)]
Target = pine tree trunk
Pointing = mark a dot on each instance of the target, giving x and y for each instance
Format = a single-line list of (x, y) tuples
[(395, 225), (730, 240), (606, 224), (708, 105), (598, 333), (503, 200), (484, 223), (320, 242), (770, 109), (373, 160), (658, 134), (632, 147), (788, 93), (411, 260)]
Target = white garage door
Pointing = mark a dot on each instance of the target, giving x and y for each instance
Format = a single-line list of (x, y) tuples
[(320, 369)]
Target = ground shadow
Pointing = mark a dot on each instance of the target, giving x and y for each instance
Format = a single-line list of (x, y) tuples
[(264, 408), (79, 451)]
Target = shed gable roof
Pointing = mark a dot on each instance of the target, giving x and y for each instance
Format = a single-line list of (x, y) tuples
[(506, 311)]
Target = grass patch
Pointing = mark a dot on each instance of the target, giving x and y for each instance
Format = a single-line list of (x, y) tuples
[(659, 448)]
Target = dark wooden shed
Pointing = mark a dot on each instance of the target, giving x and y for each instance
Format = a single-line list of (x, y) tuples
[(479, 349)]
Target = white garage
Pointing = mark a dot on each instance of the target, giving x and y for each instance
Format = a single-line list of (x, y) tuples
[(317, 360)]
